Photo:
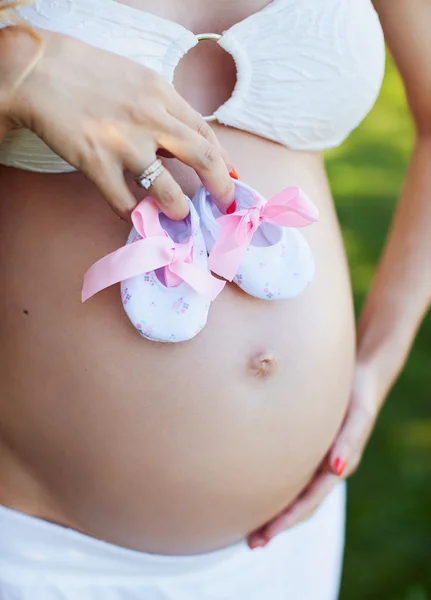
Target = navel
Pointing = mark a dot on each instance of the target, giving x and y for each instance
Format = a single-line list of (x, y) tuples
[(263, 364)]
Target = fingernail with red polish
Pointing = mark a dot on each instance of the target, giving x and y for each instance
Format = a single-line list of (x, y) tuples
[(232, 208), (258, 543), (339, 466), (233, 174)]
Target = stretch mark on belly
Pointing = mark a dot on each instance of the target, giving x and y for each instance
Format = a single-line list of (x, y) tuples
[(263, 364)]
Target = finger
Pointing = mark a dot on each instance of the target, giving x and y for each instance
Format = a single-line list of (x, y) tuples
[(203, 156), (348, 448), (303, 508), (306, 505), (185, 113), (165, 190), (170, 197), (113, 187)]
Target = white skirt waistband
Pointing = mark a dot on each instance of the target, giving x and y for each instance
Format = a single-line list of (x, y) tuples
[(25, 539), (43, 561)]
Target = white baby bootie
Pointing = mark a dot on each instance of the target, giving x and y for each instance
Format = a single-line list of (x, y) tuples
[(166, 285), (259, 246)]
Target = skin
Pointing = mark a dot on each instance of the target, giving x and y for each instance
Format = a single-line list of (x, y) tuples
[(401, 292), (166, 448)]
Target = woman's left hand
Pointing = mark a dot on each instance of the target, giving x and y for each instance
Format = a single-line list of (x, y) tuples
[(341, 461)]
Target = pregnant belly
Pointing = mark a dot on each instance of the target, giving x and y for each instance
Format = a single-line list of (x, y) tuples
[(164, 448)]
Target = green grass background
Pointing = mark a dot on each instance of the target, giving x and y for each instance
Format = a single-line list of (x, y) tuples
[(388, 551)]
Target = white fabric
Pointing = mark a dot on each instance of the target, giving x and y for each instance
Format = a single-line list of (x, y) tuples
[(308, 71), (278, 264), (42, 561), (168, 314)]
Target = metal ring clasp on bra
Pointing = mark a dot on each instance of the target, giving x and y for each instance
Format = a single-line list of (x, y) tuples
[(215, 38)]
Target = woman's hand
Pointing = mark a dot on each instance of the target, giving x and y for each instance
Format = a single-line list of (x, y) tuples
[(342, 459), (105, 114), (401, 292)]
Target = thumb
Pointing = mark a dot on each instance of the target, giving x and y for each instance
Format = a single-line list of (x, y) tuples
[(349, 445)]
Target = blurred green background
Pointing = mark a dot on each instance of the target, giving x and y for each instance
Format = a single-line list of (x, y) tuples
[(388, 552)]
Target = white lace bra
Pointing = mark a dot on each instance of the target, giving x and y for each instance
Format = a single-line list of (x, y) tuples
[(308, 71)]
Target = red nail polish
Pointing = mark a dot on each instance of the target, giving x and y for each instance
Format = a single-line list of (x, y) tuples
[(232, 208), (339, 466), (258, 544), (233, 174)]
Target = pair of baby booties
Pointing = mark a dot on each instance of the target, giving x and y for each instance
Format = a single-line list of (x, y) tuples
[(166, 266)]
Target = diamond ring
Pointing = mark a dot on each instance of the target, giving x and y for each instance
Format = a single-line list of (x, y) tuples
[(149, 176)]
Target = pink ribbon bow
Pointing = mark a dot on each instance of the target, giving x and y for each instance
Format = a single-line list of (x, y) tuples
[(289, 208), (155, 250)]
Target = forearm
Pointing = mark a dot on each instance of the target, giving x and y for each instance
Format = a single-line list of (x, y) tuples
[(20, 50), (401, 292)]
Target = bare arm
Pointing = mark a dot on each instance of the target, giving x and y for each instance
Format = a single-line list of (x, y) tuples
[(15, 66), (106, 115), (401, 292)]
